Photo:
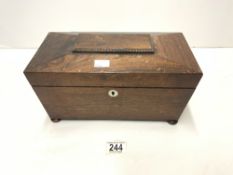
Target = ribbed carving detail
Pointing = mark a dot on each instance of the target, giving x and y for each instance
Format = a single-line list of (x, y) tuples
[(111, 50)]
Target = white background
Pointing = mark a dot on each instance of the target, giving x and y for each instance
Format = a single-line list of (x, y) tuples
[(200, 144), (205, 23)]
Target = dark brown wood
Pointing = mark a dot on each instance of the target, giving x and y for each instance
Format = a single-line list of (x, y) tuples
[(154, 74), (130, 104), (114, 80), (171, 65), (113, 43)]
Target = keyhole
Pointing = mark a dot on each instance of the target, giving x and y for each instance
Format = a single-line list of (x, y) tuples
[(112, 93)]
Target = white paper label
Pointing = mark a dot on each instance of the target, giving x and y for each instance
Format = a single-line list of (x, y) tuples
[(116, 147), (102, 63)]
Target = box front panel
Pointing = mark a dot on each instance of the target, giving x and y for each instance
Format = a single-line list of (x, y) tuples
[(98, 103)]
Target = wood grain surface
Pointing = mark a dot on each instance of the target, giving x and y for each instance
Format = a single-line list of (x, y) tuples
[(171, 65), (154, 74), (130, 104), (113, 43)]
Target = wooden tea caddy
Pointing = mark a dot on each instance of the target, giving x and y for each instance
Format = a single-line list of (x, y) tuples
[(114, 76)]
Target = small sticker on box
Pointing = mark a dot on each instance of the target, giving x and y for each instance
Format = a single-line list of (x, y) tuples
[(101, 63)]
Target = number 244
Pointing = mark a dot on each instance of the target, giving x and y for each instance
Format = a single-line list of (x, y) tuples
[(117, 147)]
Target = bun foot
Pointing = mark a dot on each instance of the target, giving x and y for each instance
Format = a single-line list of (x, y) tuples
[(55, 120), (172, 122)]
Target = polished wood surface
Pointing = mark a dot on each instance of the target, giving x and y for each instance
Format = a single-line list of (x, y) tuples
[(114, 80), (113, 43), (171, 65), (130, 104), (154, 74)]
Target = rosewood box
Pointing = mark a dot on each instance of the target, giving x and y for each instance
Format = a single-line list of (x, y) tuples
[(114, 76)]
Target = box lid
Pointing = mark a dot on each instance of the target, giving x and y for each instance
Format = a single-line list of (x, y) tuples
[(114, 59)]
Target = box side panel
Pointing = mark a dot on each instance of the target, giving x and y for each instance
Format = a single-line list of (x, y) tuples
[(130, 103), (114, 80)]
